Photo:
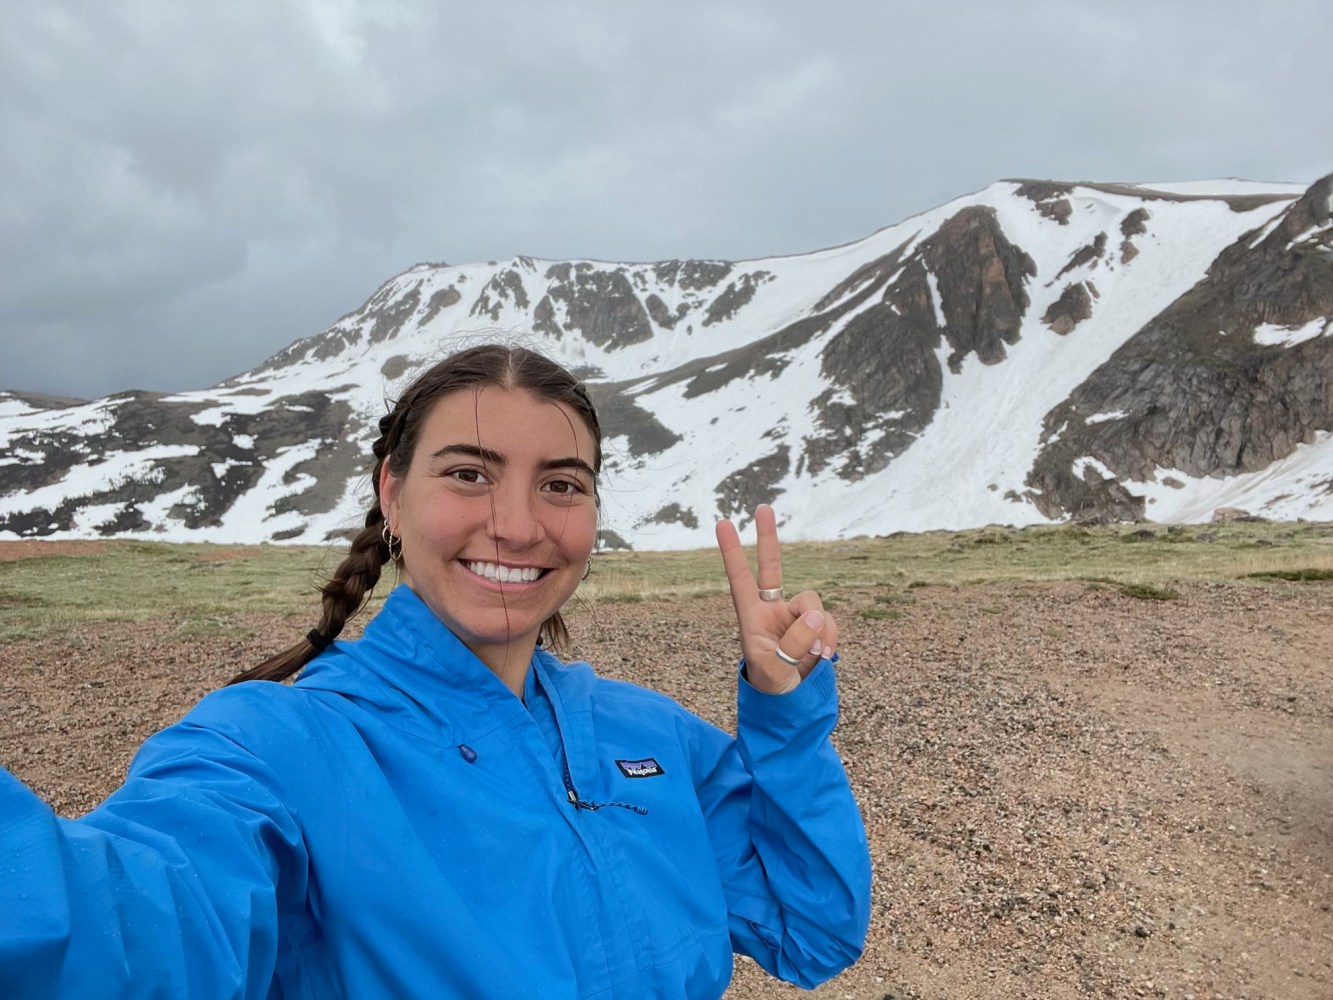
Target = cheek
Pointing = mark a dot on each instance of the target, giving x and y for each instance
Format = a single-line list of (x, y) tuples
[(435, 528), (576, 528)]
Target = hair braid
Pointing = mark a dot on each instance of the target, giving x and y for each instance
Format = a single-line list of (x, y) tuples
[(346, 592)]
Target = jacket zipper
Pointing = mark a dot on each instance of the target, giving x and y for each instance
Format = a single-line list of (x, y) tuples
[(569, 782), (578, 803)]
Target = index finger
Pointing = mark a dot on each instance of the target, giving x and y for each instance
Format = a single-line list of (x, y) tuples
[(743, 590)]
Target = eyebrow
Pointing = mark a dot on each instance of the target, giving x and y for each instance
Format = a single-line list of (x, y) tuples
[(495, 458)]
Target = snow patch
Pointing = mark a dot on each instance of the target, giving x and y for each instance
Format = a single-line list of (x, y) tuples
[(116, 469), (89, 520), (1081, 465), (1272, 335), (936, 301)]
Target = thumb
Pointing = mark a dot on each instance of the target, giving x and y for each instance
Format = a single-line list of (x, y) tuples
[(801, 642)]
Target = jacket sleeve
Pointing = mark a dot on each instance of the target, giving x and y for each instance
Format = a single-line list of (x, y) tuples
[(169, 888), (788, 836)]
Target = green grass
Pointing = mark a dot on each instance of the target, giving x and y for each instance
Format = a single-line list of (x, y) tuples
[(631, 597), (1293, 575), (893, 597), (206, 588), (203, 587), (1147, 592)]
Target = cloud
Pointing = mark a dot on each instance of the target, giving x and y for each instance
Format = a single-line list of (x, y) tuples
[(185, 188)]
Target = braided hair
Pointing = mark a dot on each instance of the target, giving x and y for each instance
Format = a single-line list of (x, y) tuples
[(350, 586)]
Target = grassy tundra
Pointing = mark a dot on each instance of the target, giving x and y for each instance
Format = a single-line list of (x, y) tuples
[(206, 586)]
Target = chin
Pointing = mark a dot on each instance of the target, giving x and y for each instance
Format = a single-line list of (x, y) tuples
[(497, 632)]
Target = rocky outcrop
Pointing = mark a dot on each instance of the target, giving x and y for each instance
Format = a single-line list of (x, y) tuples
[(964, 285), (735, 297), (982, 279), (741, 491), (621, 416), (1208, 387), (885, 384), (692, 275), (1072, 307), (504, 289), (1052, 200), (599, 304)]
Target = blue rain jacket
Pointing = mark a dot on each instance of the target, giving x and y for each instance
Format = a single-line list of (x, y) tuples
[(397, 824)]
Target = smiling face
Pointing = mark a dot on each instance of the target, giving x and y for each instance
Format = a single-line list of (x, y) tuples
[(497, 516)]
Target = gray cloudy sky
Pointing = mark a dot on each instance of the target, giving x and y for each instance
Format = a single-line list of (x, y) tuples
[(185, 188)]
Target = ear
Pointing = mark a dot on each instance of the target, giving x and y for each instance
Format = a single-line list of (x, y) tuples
[(389, 484)]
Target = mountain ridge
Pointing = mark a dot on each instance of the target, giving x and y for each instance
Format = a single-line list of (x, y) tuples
[(962, 367)]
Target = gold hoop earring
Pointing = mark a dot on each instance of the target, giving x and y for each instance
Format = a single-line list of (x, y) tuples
[(391, 542)]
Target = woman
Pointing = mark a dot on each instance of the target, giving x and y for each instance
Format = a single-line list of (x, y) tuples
[(442, 808)]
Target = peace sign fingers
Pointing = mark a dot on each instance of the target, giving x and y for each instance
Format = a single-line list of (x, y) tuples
[(745, 590), (781, 639)]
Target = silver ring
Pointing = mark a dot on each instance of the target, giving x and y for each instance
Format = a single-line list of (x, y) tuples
[(785, 657), (771, 594)]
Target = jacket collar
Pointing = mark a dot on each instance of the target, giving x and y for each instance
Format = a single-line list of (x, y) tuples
[(416, 675)]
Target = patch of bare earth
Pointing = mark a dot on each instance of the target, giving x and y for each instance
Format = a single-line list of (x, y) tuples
[(1069, 792), (35, 549)]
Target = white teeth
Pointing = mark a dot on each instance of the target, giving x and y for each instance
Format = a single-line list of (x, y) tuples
[(504, 574)]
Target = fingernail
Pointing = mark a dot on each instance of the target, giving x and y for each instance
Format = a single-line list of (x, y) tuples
[(816, 646), (815, 619), (827, 654)]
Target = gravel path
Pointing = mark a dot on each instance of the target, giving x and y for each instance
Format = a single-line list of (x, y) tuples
[(1069, 792)]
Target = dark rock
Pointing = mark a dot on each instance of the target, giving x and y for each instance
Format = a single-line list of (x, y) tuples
[(1089, 254), (740, 492), (692, 275), (735, 296), (439, 301), (620, 415), (1050, 198), (600, 304), (504, 287), (673, 513), (1072, 307), (982, 278)]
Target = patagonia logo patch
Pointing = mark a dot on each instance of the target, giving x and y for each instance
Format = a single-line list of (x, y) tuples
[(646, 768)]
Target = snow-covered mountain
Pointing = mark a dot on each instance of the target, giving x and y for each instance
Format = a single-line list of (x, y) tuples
[(1034, 352)]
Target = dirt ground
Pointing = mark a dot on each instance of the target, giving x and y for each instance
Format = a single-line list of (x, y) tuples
[(1069, 792)]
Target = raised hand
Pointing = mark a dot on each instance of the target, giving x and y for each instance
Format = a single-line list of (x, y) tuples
[(782, 638)]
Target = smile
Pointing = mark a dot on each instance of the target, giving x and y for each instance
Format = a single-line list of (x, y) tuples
[(505, 574)]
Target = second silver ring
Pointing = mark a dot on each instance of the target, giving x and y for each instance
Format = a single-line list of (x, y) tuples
[(770, 594)]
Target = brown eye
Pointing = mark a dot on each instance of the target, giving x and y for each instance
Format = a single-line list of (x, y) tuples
[(472, 477)]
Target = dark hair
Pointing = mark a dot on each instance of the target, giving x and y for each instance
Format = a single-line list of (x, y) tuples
[(352, 582)]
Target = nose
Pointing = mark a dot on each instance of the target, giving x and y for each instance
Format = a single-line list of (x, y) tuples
[(515, 521)]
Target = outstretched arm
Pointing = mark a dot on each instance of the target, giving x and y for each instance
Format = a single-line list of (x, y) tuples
[(169, 888)]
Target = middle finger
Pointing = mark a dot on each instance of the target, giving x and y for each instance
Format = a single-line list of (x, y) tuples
[(767, 551)]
